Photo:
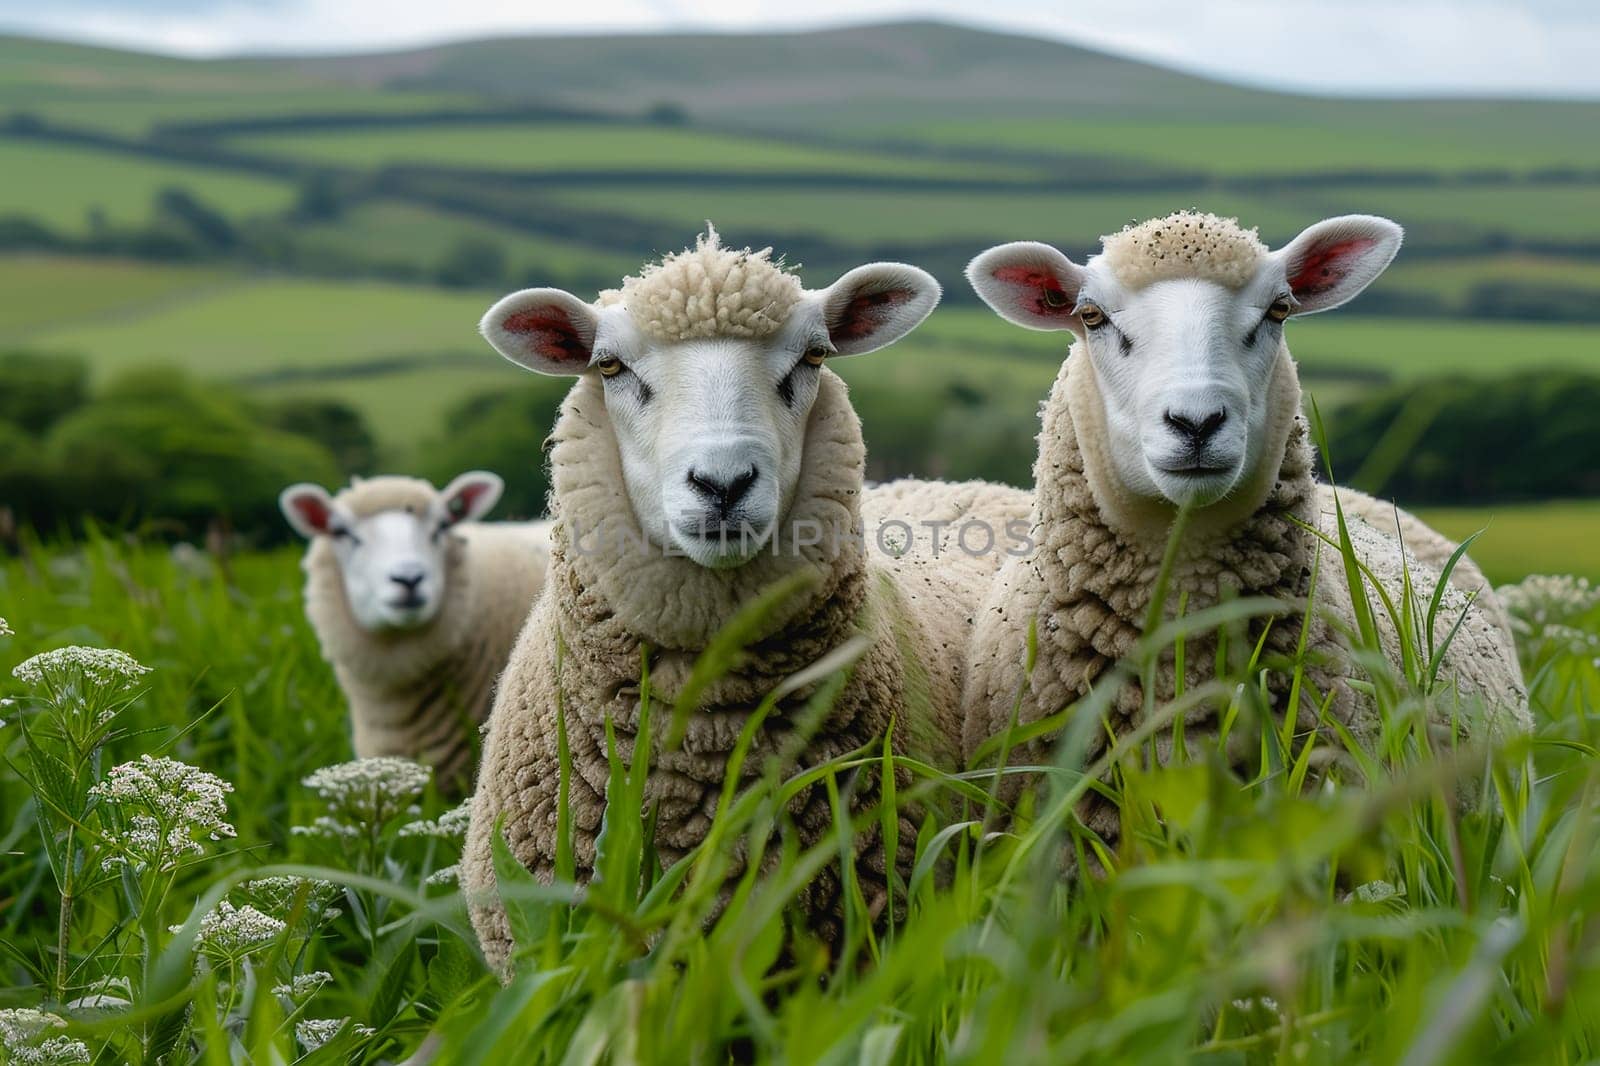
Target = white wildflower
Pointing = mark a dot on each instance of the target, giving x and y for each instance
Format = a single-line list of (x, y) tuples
[(1542, 600), (278, 895), (447, 875), (101, 666), (365, 793), (27, 1037), (233, 932), (314, 1032), (451, 825), (324, 826), (165, 806), (303, 986), (5, 630), (112, 993)]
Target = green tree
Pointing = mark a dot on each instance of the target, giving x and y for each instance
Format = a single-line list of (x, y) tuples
[(159, 446), (503, 431), (37, 388)]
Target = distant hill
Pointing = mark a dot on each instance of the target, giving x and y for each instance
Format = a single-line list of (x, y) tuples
[(858, 75)]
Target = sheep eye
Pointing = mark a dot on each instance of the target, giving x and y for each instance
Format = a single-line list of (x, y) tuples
[(815, 356), (609, 367), (343, 533), (1280, 309), (1091, 316)]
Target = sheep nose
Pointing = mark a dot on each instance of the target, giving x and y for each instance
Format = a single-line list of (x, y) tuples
[(1197, 431), (725, 495), (407, 577)]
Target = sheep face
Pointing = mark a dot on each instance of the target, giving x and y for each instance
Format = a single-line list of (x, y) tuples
[(711, 430), (1183, 364), (394, 562)]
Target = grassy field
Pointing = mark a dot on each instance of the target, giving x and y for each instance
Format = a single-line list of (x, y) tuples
[(1560, 537), (1327, 137), (1432, 903), (61, 186), (1240, 919), (186, 318), (535, 146)]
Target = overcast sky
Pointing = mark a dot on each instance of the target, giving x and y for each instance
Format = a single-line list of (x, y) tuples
[(1542, 47)]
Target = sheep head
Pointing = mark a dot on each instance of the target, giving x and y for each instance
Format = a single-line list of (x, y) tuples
[(392, 538), (1182, 321), (710, 363)]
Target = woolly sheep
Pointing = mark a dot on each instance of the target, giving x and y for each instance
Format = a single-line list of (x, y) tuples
[(702, 450), (416, 605), (1180, 390)]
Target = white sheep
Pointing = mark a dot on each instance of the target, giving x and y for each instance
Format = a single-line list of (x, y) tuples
[(416, 605), (1180, 391), (705, 453)]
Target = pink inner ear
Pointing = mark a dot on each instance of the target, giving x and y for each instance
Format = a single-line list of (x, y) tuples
[(549, 332), (865, 314), (312, 511), (465, 499), (1036, 282), (1325, 267)]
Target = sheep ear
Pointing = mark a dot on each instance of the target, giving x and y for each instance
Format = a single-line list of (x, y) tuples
[(875, 305), (546, 330), (308, 508), (1028, 283), (471, 495), (1332, 261)]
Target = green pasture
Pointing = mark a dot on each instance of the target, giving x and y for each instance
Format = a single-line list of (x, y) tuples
[(1294, 135), (297, 334), (1558, 537), (44, 292), (417, 235), (555, 146), (62, 185)]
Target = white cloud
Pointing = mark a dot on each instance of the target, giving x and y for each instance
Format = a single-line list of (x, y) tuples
[(1544, 47)]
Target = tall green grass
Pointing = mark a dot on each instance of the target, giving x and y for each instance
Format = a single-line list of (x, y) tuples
[(1276, 913)]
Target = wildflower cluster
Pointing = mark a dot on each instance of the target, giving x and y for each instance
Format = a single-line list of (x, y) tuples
[(1548, 599), (364, 795), (451, 825), (303, 986), (281, 896), (314, 1032), (27, 1037), (233, 932), (164, 807), (106, 667), (1547, 612)]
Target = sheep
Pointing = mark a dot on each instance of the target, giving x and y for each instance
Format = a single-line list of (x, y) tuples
[(416, 604), (704, 453), (1180, 392)]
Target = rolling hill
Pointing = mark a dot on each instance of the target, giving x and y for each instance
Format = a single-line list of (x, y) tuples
[(327, 226)]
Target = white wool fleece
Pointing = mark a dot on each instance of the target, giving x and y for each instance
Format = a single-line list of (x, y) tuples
[(577, 664)]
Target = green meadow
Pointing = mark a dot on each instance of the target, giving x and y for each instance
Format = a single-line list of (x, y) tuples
[(352, 217), (308, 242)]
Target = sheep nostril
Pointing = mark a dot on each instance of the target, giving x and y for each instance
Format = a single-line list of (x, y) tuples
[(1197, 432), (724, 494), (407, 581)]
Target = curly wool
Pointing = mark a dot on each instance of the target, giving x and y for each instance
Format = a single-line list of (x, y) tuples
[(1184, 244), (1087, 590), (709, 291), (421, 693), (579, 657)]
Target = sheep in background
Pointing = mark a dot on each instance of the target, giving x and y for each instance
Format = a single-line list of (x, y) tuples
[(703, 413), (1181, 391), (416, 605)]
